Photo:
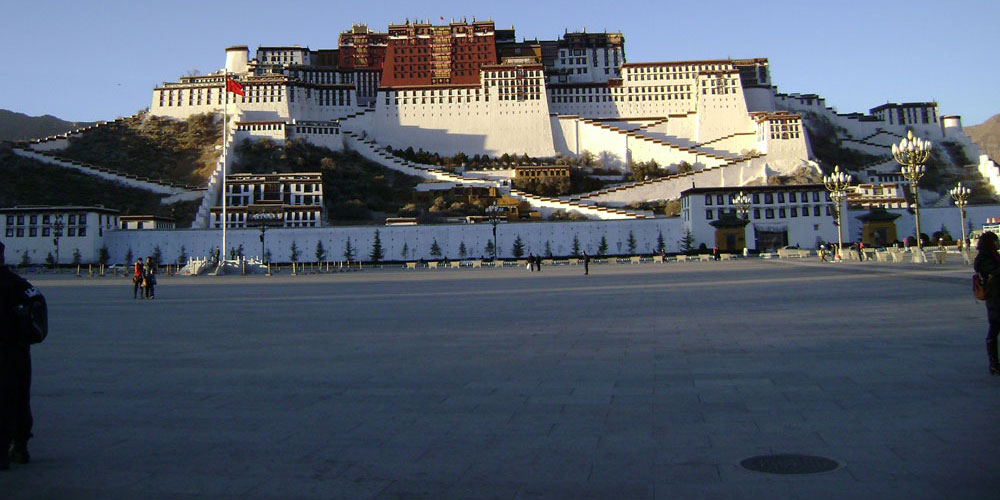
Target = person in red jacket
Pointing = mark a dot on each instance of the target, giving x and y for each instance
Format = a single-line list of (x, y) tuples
[(137, 274)]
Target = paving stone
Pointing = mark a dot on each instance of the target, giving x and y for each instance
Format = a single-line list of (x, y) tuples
[(647, 381)]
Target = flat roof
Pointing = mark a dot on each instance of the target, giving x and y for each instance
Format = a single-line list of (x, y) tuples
[(61, 208), (753, 189)]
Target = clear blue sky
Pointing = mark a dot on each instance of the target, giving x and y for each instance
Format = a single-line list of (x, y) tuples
[(100, 59)]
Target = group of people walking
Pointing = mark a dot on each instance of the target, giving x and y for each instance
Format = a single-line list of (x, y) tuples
[(534, 262), (144, 279)]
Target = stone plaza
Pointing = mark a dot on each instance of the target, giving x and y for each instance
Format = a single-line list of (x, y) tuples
[(637, 381)]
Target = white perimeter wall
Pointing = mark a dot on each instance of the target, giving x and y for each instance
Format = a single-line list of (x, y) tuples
[(418, 239)]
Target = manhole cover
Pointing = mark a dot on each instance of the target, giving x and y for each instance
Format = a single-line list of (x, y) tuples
[(789, 464)]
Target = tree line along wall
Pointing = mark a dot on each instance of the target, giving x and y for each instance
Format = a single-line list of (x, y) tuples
[(417, 240)]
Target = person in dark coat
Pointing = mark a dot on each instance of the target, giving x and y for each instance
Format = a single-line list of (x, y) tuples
[(149, 278), (987, 266), (586, 263), (15, 371)]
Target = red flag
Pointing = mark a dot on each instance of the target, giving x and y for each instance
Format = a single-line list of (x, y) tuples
[(234, 87)]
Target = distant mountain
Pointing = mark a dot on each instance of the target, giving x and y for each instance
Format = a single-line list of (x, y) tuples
[(987, 136), (18, 126)]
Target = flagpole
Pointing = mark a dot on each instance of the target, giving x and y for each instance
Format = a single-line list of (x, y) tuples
[(225, 159)]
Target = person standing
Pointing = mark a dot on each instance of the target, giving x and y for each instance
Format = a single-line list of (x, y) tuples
[(149, 277), (138, 273), (538, 263), (531, 262), (586, 264), (15, 371), (987, 266)]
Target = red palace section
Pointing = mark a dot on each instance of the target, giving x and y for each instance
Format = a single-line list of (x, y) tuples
[(423, 54)]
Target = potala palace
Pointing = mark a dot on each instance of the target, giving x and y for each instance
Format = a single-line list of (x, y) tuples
[(472, 88)]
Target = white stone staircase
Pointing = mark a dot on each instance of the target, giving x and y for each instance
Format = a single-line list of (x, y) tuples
[(370, 150)]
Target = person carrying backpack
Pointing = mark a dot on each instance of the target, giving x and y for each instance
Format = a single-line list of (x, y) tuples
[(23, 321), (987, 266)]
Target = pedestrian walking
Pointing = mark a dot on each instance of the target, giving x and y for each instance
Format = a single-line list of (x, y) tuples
[(149, 278), (16, 296), (822, 253), (586, 264), (531, 262), (861, 251), (987, 266), (138, 273), (538, 263)]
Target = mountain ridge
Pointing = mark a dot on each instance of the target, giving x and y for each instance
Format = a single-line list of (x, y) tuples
[(986, 135), (16, 126)]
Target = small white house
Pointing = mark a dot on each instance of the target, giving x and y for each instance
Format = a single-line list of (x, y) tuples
[(795, 214), (37, 231)]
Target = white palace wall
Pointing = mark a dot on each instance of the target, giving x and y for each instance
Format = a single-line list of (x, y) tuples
[(417, 239), (492, 127)]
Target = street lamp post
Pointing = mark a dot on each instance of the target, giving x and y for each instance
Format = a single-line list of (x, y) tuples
[(57, 229), (742, 202), (961, 194), (493, 211), (263, 230), (837, 184), (911, 153)]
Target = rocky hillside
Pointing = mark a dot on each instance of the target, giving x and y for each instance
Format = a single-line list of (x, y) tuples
[(946, 167), (987, 136), (354, 189), (16, 126), (28, 182), (179, 151)]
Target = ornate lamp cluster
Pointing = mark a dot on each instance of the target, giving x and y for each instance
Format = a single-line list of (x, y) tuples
[(961, 195), (742, 202), (911, 153), (837, 184)]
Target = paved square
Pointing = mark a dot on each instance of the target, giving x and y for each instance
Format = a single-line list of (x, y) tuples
[(638, 381)]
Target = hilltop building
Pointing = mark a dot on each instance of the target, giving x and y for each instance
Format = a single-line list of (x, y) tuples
[(469, 87)]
